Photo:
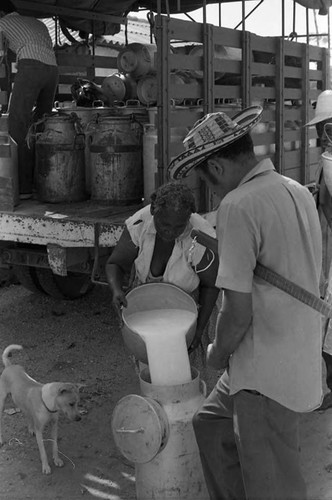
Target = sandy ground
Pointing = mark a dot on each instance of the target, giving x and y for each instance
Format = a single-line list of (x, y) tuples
[(80, 341)]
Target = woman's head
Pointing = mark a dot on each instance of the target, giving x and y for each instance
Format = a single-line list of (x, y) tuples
[(172, 205)]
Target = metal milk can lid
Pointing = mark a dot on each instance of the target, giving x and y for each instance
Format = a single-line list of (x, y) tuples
[(140, 428)]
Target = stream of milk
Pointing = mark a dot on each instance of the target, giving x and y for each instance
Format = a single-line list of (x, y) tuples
[(164, 332)]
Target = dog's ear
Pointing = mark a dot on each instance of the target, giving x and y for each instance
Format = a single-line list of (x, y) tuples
[(65, 388), (69, 388)]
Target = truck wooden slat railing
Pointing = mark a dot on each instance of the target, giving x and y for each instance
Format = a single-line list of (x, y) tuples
[(282, 76)]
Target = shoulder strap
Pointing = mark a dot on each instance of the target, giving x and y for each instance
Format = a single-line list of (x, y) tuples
[(273, 278), (293, 289)]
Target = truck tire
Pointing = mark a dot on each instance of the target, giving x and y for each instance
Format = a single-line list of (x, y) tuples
[(73, 286), (26, 275)]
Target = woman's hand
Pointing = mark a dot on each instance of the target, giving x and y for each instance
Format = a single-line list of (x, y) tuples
[(119, 300)]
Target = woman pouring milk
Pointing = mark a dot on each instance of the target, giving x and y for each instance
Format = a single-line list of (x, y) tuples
[(157, 240)]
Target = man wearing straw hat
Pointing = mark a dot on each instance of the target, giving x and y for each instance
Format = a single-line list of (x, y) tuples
[(268, 343), (322, 118)]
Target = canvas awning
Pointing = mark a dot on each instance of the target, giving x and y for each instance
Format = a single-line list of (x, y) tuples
[(102, 17)]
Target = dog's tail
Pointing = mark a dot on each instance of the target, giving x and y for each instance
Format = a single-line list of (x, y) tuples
[(7, 351)]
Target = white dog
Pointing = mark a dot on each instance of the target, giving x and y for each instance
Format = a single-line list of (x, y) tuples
[(41, 403)]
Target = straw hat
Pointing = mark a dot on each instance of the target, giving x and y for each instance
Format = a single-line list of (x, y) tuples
[(214, 131), (323, 109)]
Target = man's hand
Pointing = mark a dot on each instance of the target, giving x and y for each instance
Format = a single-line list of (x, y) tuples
[(214, 360)]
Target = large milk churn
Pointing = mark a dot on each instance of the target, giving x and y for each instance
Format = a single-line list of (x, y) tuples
[(155, 432), (116, 160), (86, 116), (137, 59), (60, 164), (9, 192), (119, 87), (4, 122)]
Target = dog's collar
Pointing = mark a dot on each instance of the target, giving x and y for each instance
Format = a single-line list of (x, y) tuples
[(51, 411)]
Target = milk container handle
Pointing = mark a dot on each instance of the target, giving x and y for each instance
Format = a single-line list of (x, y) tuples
[(133, 102), (98, 104), (32, 132), (140, 430)]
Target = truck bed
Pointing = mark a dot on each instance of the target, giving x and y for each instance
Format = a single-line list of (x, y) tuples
[(79, 224)]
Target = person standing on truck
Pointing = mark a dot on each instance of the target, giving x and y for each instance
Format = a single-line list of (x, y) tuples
[(35, 83), (323, 116), (156, 241), (267, 342)]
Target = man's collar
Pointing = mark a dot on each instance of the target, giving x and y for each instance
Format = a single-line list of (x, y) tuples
[(262, 166)]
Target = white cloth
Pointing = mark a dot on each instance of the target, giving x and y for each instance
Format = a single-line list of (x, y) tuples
[(180, 267)]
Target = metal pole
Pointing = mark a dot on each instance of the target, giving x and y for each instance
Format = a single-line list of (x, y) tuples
[(328, 30), (249, 14)]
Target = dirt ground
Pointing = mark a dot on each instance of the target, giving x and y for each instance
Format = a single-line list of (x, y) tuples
[(80, 341)]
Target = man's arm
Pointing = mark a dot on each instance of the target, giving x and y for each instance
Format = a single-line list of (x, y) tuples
[(233, 322), (207, 272)]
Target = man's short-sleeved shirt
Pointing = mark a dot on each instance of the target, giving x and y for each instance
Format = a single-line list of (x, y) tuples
[(273, 220), (28, 38)]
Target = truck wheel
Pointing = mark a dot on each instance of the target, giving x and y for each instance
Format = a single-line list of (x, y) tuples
[(72, 286), (26, 275)]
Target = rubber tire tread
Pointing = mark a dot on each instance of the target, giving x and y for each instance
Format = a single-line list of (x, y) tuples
[(73, 286), (26, 275)]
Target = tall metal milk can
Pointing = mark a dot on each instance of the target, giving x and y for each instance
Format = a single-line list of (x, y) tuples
[(155, 432), (9, 191), (116, 160), (86, 116), (60, 163), (137, 59), (150, 162)]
